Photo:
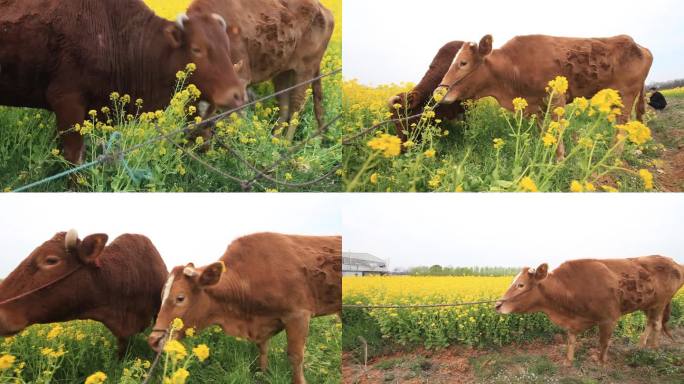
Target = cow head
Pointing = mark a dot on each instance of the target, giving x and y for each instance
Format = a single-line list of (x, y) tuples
[(185, 297), (204, 39), (468, 72), (524, 294), (43, 287)]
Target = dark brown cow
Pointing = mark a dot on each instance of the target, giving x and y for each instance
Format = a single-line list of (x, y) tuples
[(264, 283), (580, 294), (525, 64), (68, 56), (67, 278), (414, 101), (282, 40)]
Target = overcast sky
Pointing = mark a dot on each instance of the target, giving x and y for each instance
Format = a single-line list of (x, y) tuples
[(184, 227), (395, 40), (512, 229)]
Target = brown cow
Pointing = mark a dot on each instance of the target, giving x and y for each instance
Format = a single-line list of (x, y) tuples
[(414, 101), (525, 64), (67, 278), (264, 283), (283, 40), (582, 293), (67, 56)]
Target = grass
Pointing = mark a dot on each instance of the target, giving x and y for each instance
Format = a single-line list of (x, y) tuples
[(89, 347), (29, 148), (496, 150)]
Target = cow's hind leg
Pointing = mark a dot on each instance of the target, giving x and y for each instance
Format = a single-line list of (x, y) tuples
[(572, 342), (655, 323), (69, 109), (263, 355), (297, 329), (605, 332)]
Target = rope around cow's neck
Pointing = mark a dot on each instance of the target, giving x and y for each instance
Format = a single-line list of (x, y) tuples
[(22, 295)]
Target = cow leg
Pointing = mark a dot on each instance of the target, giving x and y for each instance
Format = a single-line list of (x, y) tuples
[(572, 342), (655, 323), (605, 332), (263, 355), (297, 329), (317, 91), (282, 81), (123, 346), (69, 110), (297, 98), (641, 105)]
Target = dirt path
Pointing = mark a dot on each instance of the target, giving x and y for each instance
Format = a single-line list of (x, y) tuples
[(668, 129), (531, 363)]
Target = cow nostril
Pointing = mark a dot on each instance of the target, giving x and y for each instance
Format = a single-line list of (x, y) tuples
[(498, 304)]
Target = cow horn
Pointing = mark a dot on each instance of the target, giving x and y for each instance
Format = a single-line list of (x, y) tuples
[(70, 239), (531, 271), (220, 20), (181, 19), (190, 272)]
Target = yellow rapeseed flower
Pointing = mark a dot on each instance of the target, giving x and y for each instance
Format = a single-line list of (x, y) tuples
[(589, 187), (390, 145), (559, 111), (175, 349), (55, 152), (549, 139), (559, 85), (96, 378), (6, 361), (177, 324), (605, 100), (636, 131), (435, 181), (409, 144), (576, 186), (528, 185), (201, 351), (608, 188), (581, 103), (519, 104), (191, 67), (498, 143), (178, 377), (374, 178), (647, 178), (430, 153)]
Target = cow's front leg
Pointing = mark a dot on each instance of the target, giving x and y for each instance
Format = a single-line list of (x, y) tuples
[(572, 342), (605, 332), (69, 109), (297, 329), (263, 355), (281, 82)]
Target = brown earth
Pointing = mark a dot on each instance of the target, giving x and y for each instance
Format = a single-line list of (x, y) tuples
[(668, 129)]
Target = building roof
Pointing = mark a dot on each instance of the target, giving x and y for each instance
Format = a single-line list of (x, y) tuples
[(355, 256), (353, 261)]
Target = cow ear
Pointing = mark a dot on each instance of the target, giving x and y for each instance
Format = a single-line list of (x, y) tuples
[(211, 274), (541, 272), (237, 67), (90, 248), (485, 46), (174, 35)]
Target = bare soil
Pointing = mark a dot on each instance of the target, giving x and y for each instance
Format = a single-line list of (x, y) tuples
[(668, 129)]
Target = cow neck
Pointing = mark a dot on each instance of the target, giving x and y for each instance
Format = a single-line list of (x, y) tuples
[(555, 302), (500, 66), (231, 290)]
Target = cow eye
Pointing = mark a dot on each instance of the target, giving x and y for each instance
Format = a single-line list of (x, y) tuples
[(51, 260), (180, 299), (464, 63), (196, 51), (521, 285)]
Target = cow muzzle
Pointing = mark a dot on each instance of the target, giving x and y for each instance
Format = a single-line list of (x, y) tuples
[(9, 325), (156, 340), (449, 95), (234, 97)]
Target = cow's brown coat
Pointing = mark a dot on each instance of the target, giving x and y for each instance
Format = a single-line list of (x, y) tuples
[(580, 294), (282, 40), (68, 56), (524, 65), (414, 101), (117, 284), (271, 282)]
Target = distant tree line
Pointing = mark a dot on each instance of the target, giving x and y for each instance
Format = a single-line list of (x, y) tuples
[(667, 84), (438, 270)]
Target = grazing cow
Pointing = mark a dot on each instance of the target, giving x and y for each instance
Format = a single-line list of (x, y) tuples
[(283, 40), (264, 283), (582, 293), (524, 65), (414, 101), (68, 56), (657, 100), (67, 278)]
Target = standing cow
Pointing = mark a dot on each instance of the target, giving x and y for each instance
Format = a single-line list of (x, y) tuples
[(413, 102), (67, 278), (282, 40), (523, 66), (68, 56), (264, 283), (580, 294)]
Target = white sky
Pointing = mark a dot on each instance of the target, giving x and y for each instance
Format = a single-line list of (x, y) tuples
[(512, 229), (395, 40), (184, 227)]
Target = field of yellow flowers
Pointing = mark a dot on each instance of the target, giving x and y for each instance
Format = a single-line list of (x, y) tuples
[(29, 148), (477, 325), (495, 150), (85, 352)]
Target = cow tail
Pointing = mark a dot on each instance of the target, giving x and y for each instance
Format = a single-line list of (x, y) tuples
[(666, 318), (317, 90)]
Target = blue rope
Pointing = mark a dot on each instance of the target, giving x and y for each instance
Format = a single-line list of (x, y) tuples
[(116, 135)]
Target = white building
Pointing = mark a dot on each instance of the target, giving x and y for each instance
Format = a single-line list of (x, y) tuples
[(363, 264)]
